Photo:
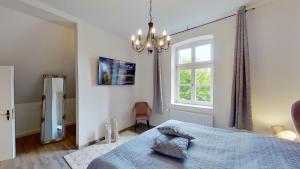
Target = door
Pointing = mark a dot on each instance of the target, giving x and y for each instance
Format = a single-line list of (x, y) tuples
[(7, 119)]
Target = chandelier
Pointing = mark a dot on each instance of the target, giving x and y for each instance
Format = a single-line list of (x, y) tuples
[(152, 42)]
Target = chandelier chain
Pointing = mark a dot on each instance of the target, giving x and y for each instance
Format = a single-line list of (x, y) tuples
[(150, 11)]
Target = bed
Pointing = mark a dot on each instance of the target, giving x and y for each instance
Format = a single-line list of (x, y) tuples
[(213, 148)]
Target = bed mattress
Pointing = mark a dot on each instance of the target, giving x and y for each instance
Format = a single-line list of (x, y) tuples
[(213, 148)]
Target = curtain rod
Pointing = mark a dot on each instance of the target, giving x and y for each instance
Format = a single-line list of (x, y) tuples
[(217, 20)]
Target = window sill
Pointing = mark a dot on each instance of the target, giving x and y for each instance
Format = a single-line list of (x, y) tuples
[(193, 108)]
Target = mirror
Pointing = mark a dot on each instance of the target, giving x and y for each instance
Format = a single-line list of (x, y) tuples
[(53, 115)]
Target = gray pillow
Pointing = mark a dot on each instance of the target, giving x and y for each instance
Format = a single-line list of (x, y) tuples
[(171, 146), (175, 131)]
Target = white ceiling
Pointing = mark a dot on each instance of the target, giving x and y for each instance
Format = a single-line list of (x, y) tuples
[(124, 17)]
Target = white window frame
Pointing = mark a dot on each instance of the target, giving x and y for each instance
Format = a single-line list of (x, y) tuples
[(193, 66)]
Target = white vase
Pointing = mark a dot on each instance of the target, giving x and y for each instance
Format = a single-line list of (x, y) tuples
[(115, 129), (108, 133), (115, 135)]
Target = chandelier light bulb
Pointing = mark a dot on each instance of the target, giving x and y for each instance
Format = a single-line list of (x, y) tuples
[(137, 42), (153, 30), (168, 38), (148, 45), (164, 33), (139, 32), (132, 38), (161, 43)]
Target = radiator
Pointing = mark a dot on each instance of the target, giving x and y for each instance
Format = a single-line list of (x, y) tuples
[(192, 117)]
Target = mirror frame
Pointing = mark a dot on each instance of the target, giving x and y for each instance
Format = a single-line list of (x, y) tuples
[(42, 133)]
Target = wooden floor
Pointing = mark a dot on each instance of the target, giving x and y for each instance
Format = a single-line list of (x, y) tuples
[(141, 127), (31, 154)]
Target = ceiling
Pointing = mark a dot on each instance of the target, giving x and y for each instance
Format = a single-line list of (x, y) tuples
[(124, 17)]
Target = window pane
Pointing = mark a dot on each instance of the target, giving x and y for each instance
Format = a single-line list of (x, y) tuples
[(203, 53), (185, 76), (185, 56), (203, 76), (203, 93), (185, 92)]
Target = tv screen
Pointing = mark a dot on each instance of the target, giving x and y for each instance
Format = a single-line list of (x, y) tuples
[(115, 72)]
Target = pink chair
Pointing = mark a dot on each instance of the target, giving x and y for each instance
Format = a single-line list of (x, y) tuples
[(296, 116), (141, 111)]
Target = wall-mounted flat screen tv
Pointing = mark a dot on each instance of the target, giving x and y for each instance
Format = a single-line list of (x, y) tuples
[(115, 72)]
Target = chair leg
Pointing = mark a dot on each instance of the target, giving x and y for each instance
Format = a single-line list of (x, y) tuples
[(148, 124), (135, 125)]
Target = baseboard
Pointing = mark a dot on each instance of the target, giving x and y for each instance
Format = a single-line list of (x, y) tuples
[(100, 139), (27, 133), (37, 131)]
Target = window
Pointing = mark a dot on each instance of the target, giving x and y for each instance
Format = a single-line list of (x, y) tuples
[(194, 73)]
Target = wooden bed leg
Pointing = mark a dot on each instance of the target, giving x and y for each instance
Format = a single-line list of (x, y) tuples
[(148, 124), (135, 125)]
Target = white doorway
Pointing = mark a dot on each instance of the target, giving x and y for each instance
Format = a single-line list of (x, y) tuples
[(7, 119)]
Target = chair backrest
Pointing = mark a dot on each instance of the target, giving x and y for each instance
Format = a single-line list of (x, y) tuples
[(141, 108), (296, 116)]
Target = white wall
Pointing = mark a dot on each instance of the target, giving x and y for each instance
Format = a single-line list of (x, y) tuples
[(94, 104), (29, 116), (274, 40), (97, 104), (35, 47), (224, 34)]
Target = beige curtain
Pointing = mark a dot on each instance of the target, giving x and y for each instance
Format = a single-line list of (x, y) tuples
[(241, 117), (157, 85)]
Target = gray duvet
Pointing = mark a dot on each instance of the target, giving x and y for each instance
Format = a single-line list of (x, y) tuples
[(213, 148)]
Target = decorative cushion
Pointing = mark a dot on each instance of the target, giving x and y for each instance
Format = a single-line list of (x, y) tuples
[(171, 146), (175, 131)]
